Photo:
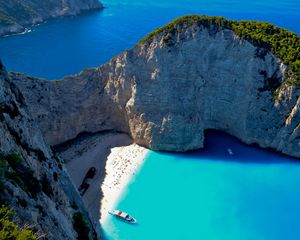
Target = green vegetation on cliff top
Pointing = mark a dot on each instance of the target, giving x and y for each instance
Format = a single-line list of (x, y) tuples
[(25, 12), (8, 228), (13, 11), (80, 226), (281, 42)]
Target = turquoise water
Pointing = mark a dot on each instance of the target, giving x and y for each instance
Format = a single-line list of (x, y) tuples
[(208, 194), (66, 46), (200, 195)]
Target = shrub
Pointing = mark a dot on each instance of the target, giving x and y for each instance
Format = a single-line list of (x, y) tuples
[(33, 185), (281, 42), (74, 205), (46, 186), (8, 170), (55, 176), (17, 179), (10, 230), (5, 19), (41, 210), (80, 226), (2, 188), (3, 165), (40, 154), (22, 202), (14, 159), (11, 168)]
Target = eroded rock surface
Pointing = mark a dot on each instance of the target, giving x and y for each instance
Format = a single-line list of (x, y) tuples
[(37, 188), (166, 92)]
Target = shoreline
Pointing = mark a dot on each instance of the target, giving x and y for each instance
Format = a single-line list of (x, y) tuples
[(121, 167), (17, 33), (27, 27), (116, 159)]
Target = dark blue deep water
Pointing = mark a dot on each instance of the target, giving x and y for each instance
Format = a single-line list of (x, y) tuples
[(66, 46), (205, 195)]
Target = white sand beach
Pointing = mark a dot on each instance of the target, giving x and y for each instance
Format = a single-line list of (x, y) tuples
[(121, 166), (116, 160)]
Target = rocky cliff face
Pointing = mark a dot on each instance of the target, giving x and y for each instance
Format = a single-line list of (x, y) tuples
[(167, 91), (164, 92), (16, 15), (36, 186)]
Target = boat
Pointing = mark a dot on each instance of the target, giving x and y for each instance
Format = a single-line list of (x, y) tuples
[(123, 216), (229, 150)]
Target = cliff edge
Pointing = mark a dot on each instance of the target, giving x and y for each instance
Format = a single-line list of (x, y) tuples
[(16, 15), (194, 74), (33, 180)]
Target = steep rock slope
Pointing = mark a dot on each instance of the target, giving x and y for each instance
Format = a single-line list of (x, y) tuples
[(15, 15), (171, 87), (33, 180)]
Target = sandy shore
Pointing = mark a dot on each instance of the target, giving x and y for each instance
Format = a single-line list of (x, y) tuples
[(116, 160), (121, 166)]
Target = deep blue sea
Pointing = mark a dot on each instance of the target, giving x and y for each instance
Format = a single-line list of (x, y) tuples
[(205, 195), (66, 46)]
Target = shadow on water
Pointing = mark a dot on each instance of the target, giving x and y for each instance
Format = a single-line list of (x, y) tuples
[(216, 147), (127, 223)]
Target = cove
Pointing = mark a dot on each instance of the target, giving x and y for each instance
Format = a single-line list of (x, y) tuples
[(206, 194), (209, 194)]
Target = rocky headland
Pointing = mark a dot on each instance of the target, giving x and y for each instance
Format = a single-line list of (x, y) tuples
[(16, 15), (195, 74)]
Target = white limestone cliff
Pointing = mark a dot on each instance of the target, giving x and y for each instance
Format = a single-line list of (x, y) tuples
[(167, 91)]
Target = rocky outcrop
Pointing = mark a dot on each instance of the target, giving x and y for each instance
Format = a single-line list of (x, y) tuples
[(16, 15), (35, 183), (166, 91)]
